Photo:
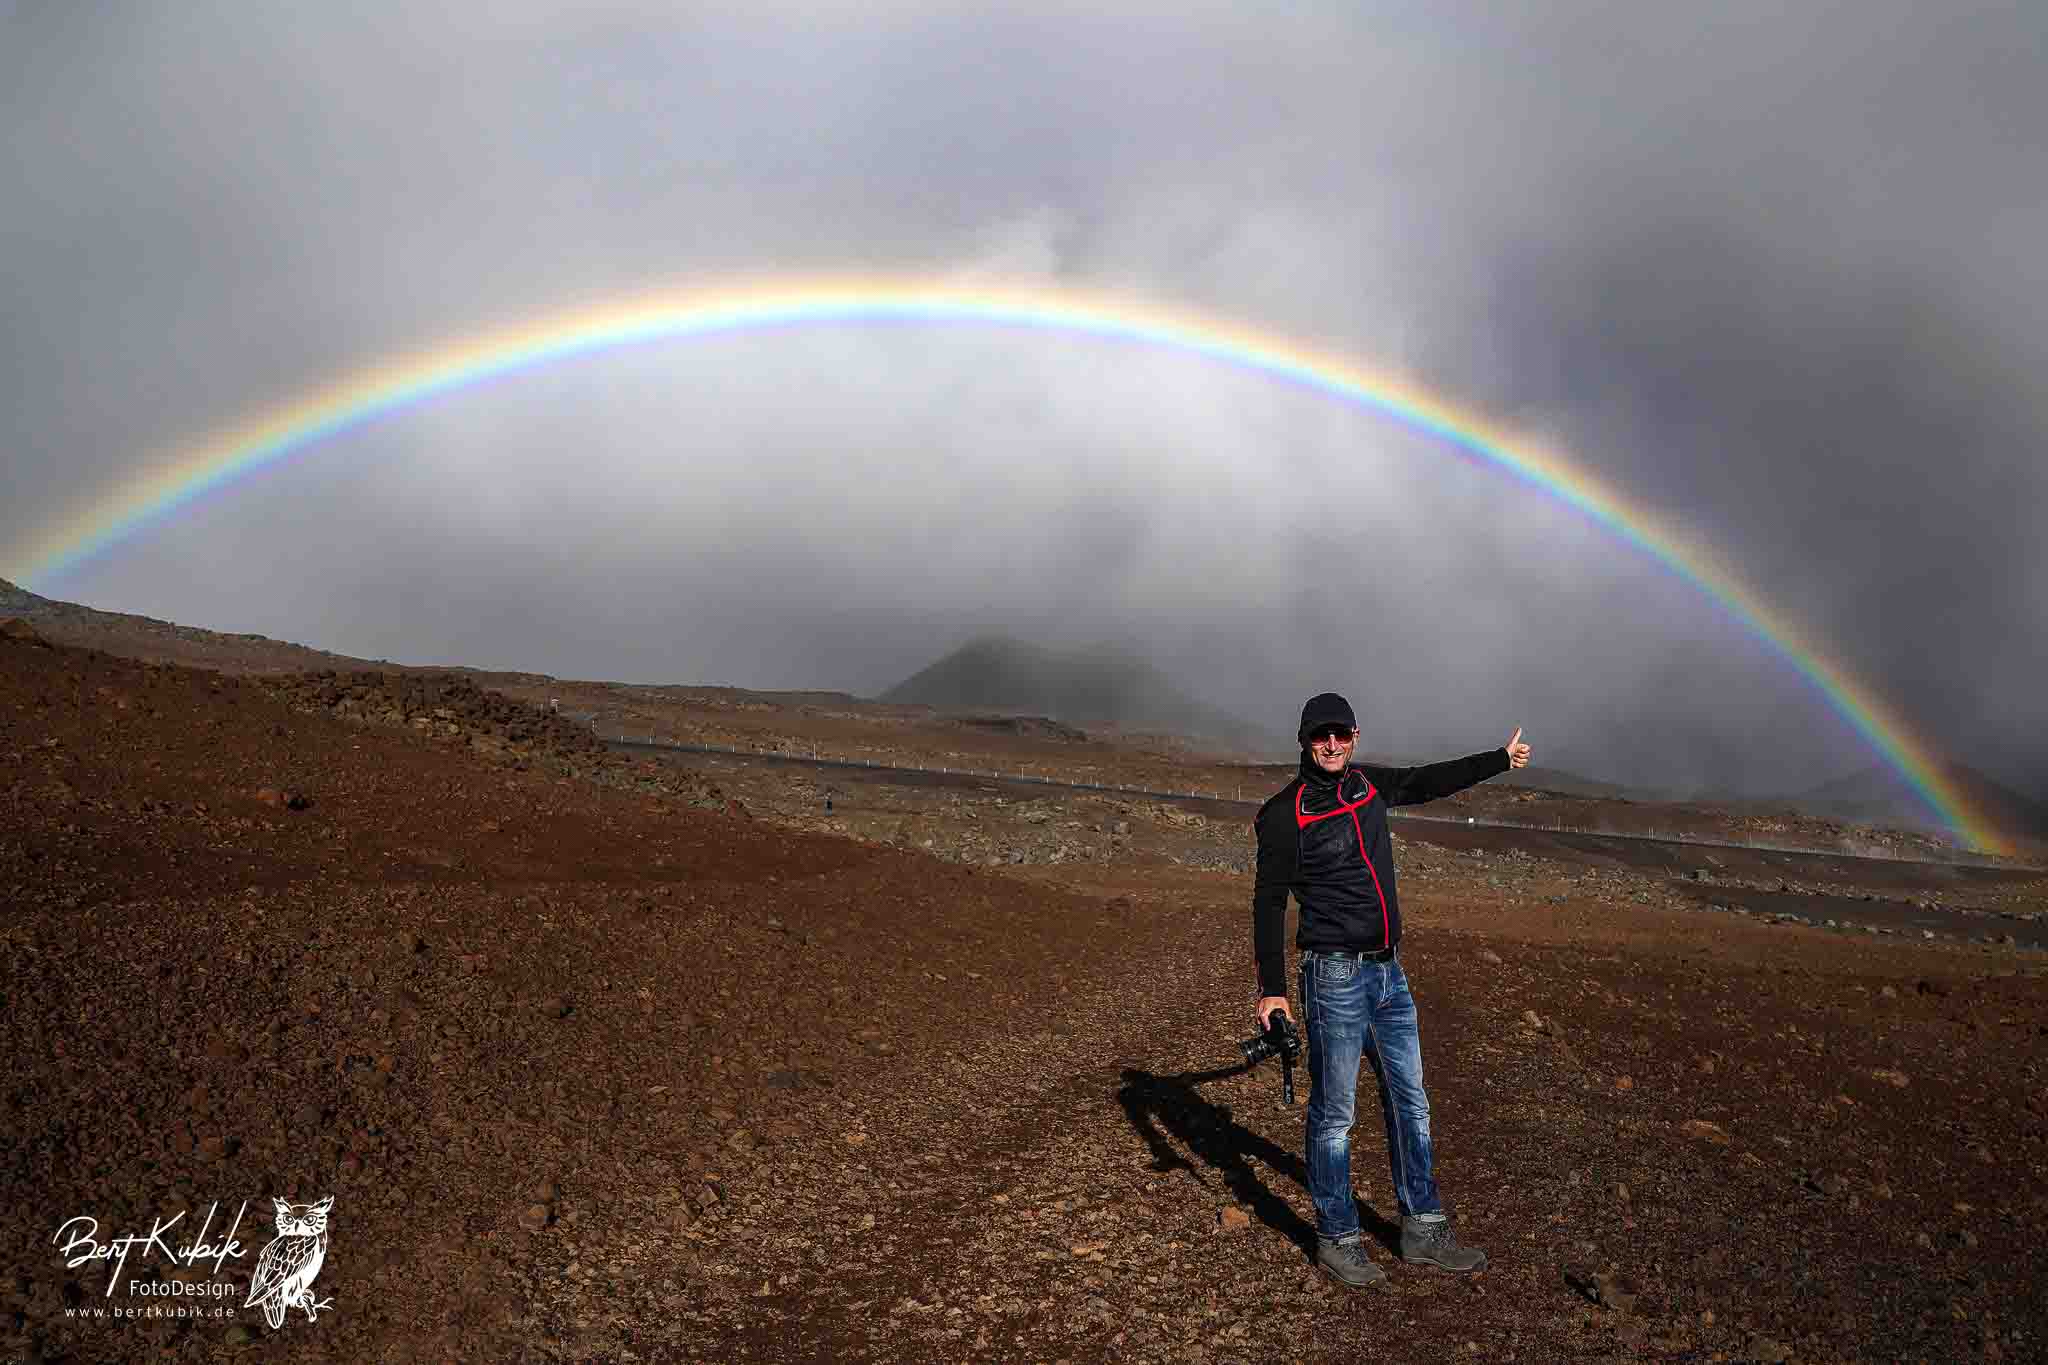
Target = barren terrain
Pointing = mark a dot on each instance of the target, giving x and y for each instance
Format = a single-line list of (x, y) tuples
[(612, 1055)]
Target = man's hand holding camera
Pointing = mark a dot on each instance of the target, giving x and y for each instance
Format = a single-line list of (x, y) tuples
[(1277, 1038)]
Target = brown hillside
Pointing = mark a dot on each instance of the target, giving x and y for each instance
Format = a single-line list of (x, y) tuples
[(592, 1072)]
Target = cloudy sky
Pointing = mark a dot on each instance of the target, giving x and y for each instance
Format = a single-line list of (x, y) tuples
[(1773, 271)]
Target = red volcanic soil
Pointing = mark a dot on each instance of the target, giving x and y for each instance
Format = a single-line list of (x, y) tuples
[(604, 1059)]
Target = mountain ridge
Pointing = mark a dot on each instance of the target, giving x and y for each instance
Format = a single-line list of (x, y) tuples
[(1001, 679)]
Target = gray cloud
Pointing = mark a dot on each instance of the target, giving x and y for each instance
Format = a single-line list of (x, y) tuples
[(1772, 274)]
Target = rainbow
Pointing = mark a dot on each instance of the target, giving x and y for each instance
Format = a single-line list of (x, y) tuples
[(417, 377)]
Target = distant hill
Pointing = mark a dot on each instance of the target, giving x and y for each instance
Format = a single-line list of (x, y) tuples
[(1879, 796), (1571, 784), (1101, 686)]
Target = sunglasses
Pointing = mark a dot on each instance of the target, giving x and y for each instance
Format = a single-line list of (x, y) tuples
[(1332, 734)]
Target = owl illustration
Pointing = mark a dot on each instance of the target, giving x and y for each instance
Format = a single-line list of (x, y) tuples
[(285, 1271)]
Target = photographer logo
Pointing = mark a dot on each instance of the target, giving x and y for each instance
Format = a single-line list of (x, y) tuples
[(199, 1279)]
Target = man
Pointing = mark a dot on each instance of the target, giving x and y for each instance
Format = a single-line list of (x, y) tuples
[(1324, 838)]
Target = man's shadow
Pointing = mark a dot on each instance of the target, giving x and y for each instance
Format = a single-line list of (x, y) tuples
[(1159, 1105)]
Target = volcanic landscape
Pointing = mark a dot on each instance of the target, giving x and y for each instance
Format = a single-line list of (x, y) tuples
[(787, 1047)]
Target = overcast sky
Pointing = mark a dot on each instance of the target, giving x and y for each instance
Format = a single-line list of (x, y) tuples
[(1774, 270)]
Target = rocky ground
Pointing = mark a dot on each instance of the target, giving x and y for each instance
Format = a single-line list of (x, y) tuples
[(609, 1056)]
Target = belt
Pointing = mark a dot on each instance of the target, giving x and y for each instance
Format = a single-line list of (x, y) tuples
[(1383, 955)]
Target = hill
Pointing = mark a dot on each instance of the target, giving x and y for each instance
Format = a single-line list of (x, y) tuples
[(1102, 686), (154, 641)]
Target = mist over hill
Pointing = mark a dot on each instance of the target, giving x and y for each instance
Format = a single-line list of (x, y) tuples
[(1103, 685), (1879, 796)]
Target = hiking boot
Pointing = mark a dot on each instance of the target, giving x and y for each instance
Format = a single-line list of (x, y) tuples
[(1433, 1243), (1347, 1261)]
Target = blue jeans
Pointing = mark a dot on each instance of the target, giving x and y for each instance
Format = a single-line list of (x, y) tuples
[(1356, 1009)]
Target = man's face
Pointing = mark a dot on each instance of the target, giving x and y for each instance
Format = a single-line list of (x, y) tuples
[(1331, 747)]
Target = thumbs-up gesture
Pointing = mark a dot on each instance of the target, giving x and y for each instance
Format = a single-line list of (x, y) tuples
[(1518, 752)]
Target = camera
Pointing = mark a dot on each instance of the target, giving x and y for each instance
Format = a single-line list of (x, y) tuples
[(1279, 1040)]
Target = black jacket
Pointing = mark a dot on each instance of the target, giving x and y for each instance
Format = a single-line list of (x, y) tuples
[(1324, 837)]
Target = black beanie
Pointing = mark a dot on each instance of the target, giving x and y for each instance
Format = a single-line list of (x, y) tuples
[(1325, 708)]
